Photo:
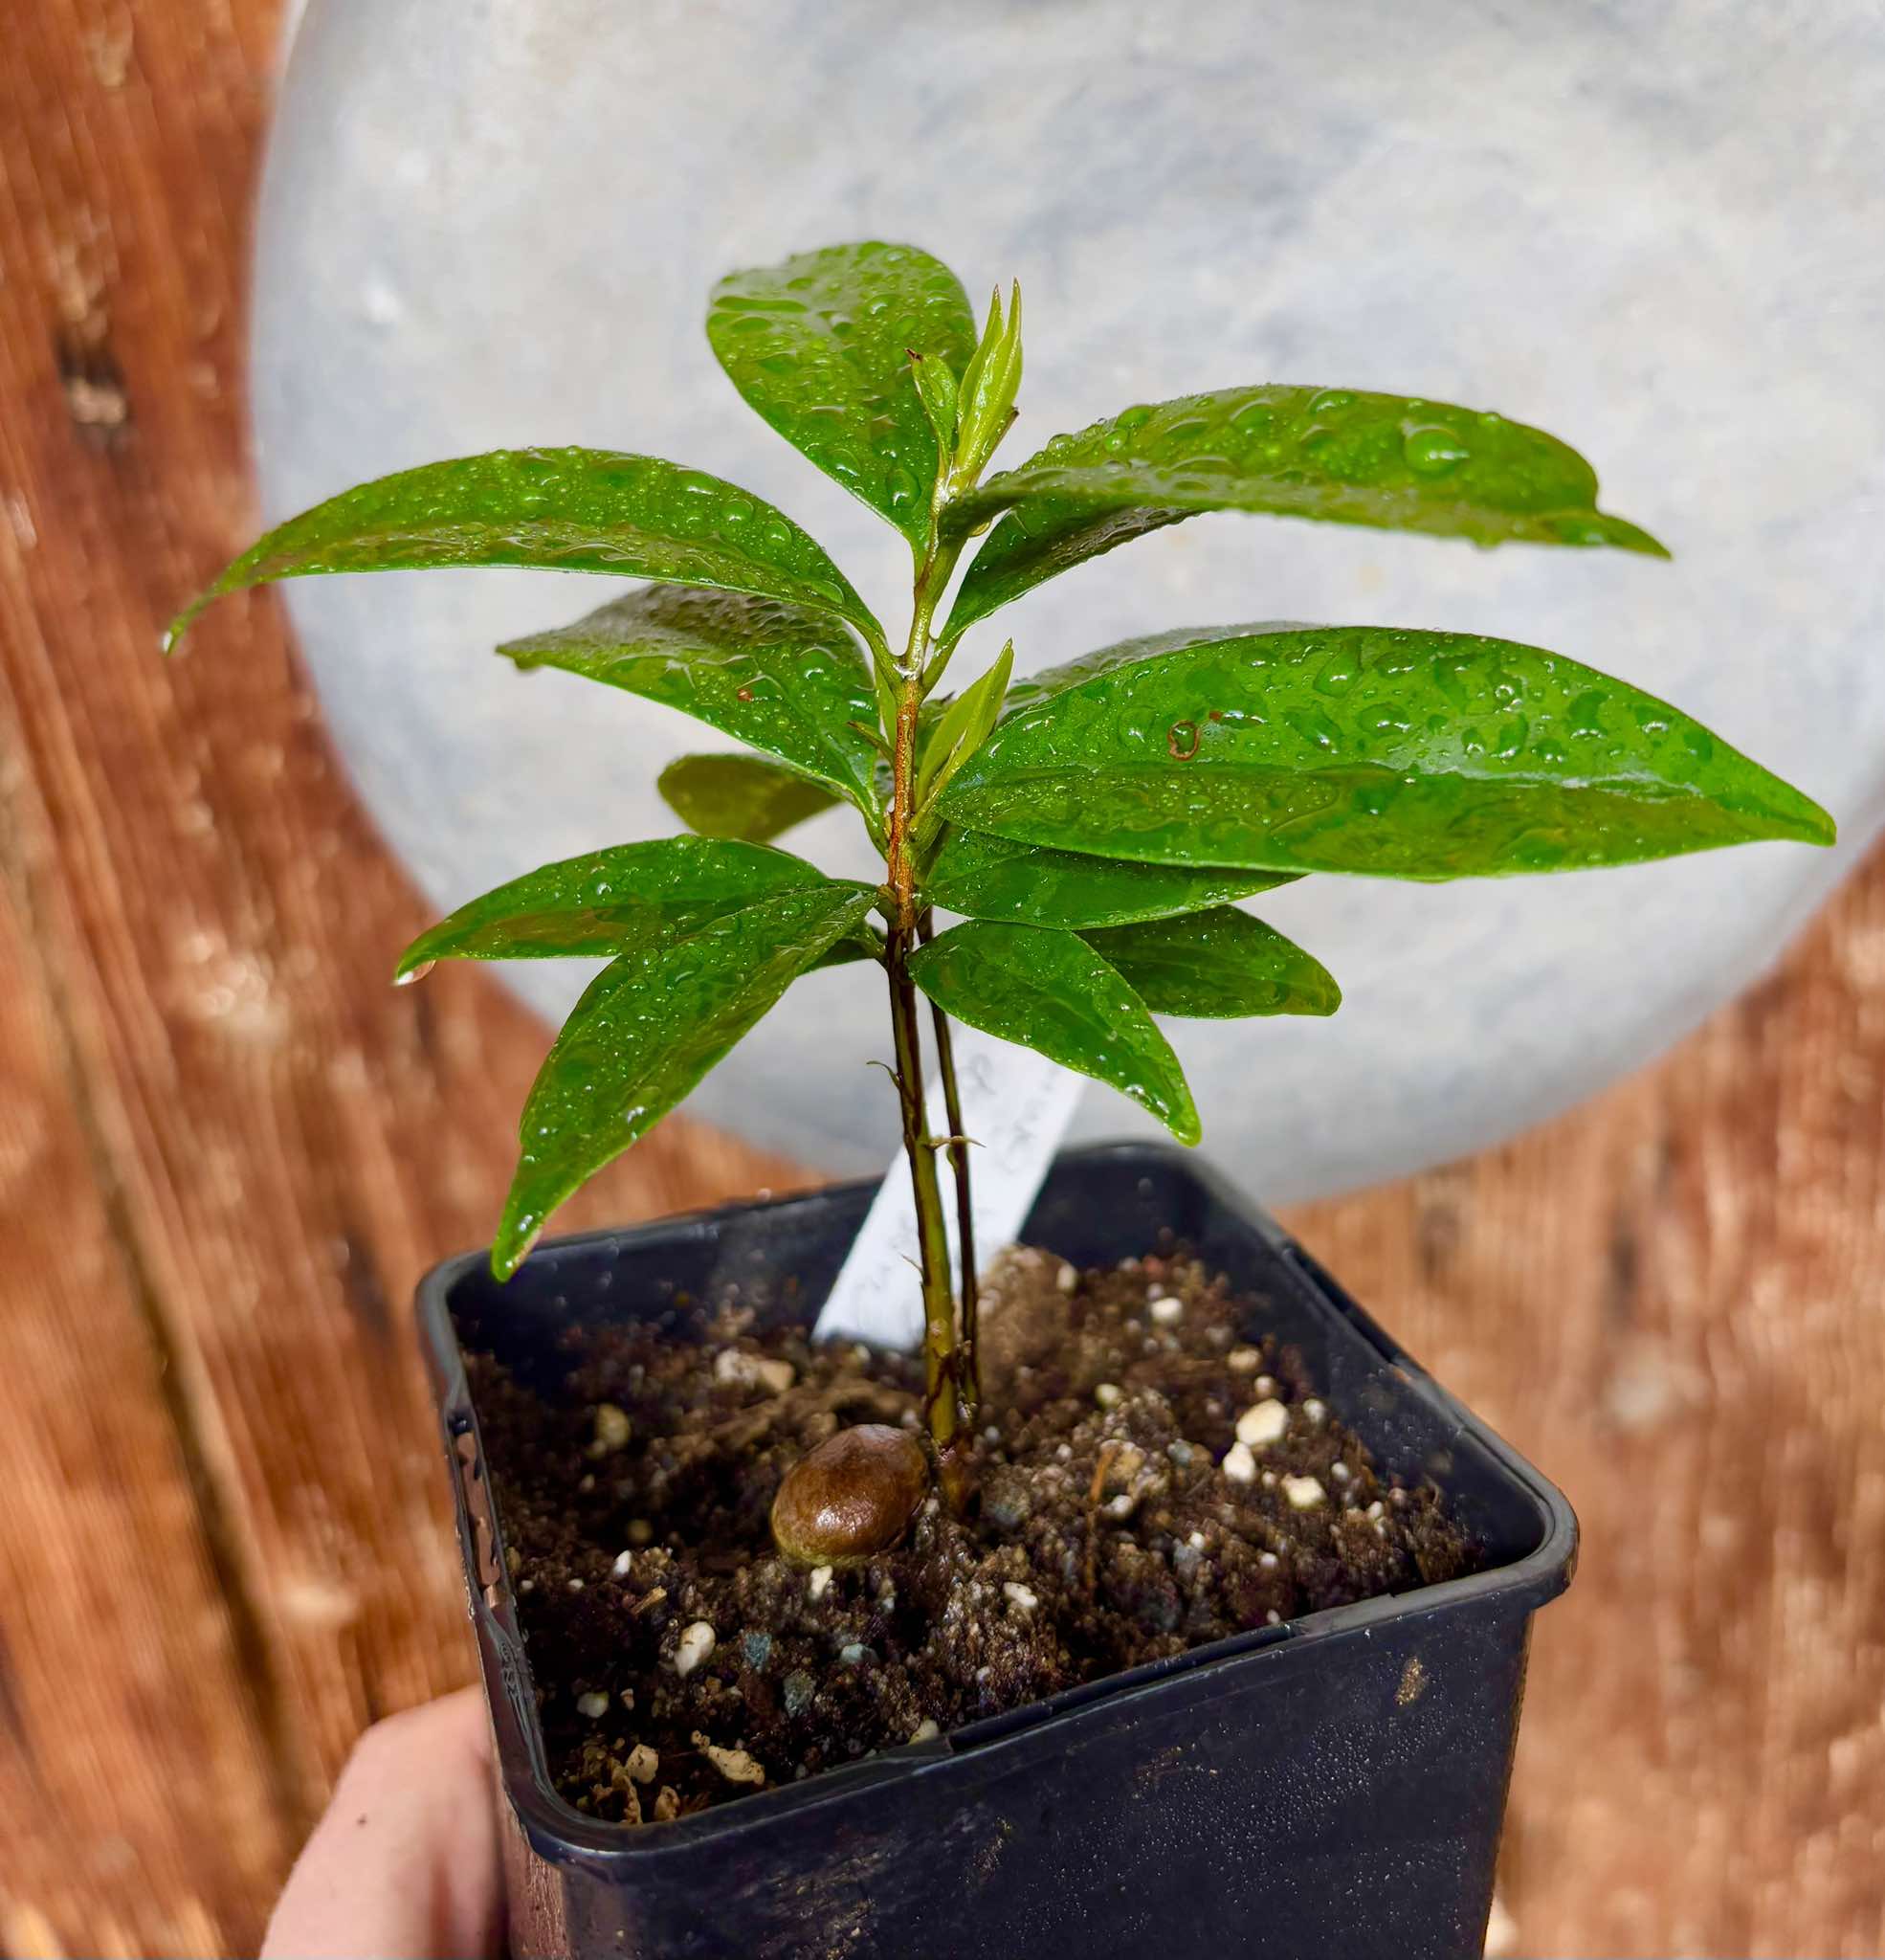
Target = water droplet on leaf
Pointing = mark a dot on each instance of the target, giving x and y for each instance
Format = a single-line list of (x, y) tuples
[(1431, 452)]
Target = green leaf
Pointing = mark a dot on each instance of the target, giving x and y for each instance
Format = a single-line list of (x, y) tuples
[(777, 677), (1419, 755), (650, 1026), (984, 877), (820, 347), (989, 388), (1385, 460), (1047, 683), (739, 796), (1218, 963), (604, 901), (1050, 992), (935, 385), (963, 728), (559, 509)]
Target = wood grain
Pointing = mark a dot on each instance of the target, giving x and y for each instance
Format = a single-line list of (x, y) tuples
[(237, 1144), (1670, 1301), (227, 1148)]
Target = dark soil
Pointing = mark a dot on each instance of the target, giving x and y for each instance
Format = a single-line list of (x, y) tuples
[(679, 1662)]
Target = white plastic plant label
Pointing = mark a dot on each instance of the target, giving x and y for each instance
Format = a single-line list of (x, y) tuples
[(1017, 1105)]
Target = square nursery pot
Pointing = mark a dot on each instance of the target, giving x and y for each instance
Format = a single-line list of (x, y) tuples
[(1331, 1786)]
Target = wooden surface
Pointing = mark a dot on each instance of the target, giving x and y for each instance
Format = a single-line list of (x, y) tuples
[(227, 1150)]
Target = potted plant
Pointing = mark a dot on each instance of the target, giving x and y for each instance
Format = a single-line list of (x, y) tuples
[(1160, 1598)]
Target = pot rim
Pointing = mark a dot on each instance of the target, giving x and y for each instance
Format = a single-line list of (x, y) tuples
[(557, 1829)]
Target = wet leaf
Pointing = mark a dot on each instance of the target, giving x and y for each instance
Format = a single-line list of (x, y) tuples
[(650, 1026), (739, 796), (1385, 460), (984, 877), (936, 386), (604, 901), (777, 677), (962, 726), (1048, 682), (1218, 963), (989, 387), (1419, 755), (1050, 992), (561, 510), (820, 347)]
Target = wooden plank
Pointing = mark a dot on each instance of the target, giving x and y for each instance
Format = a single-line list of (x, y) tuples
[(133, 1728), (1671, 1302), (287, 1142)]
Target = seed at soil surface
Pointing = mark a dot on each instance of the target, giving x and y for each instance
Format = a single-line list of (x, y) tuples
[(851, 1498), (1305, 1493), (694, 1644), (1263, 1422)]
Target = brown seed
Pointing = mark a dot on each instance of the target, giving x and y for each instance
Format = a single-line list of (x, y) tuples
[(851, 1498)]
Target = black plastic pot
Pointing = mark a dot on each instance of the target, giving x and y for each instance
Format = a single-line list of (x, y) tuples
[(1332, 1786)]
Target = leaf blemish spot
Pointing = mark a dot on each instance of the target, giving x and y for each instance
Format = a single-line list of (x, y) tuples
[(1181, 739)]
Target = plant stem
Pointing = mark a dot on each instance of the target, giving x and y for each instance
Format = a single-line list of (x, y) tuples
[(943, 1390), (951, 1399), (945, 1063)]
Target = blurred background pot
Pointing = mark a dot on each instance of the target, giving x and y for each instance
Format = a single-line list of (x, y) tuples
[(485, 224)]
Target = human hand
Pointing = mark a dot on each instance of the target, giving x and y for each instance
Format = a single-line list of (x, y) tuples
[(403, 1864)]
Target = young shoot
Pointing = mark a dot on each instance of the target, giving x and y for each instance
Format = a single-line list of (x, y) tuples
[(1092, 829)]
